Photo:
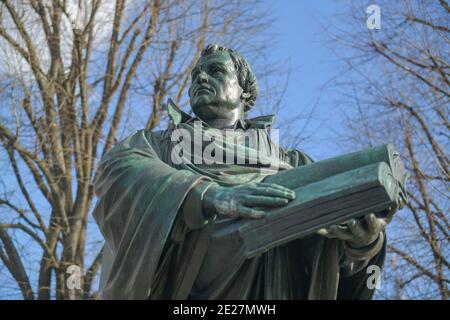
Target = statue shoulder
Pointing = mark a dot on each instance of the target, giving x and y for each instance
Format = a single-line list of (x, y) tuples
[(140, 141), (296, 157)]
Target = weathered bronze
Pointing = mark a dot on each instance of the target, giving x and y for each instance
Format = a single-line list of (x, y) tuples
[(212, 208)]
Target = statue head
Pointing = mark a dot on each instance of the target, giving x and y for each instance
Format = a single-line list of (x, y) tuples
[(223, 85)]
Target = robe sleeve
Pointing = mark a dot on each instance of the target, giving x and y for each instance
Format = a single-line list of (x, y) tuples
[(139, 198), (193, 215), (295, 157), (353, 284)]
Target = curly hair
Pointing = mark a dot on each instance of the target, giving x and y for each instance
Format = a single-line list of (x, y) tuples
[(246, 77)]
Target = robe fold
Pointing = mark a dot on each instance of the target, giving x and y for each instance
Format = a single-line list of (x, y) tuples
[(145, 208)]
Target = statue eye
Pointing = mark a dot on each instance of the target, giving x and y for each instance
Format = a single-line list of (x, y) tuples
[(216, 70)]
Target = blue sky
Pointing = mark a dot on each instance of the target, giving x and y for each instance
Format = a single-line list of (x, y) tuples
[(299, 25)]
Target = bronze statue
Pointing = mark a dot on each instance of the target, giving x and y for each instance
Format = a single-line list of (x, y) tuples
[(165, 221)]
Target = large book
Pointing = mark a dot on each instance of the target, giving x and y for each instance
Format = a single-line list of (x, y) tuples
[(329, 167), (327, 192)]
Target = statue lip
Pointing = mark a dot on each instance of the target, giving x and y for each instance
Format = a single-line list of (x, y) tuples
[(199, 90)]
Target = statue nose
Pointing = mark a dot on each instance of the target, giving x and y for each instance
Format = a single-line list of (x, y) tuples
[(202, 77)]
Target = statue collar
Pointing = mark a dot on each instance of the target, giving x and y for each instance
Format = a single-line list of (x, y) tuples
[(178, 116)]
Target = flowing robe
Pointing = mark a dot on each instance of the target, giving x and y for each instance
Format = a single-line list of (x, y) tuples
[(159, 246)]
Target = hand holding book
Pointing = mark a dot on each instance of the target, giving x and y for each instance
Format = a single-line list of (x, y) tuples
[(328, 193), (357, 232)]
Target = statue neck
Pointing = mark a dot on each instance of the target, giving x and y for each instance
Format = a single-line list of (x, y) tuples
[(230, 120)]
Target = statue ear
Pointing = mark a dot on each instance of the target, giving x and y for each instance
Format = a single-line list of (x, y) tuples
[(245, 96)]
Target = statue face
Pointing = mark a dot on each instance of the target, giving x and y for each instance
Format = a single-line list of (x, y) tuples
[(215, 89)]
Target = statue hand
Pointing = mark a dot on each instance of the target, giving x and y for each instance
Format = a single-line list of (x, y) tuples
[(358, 233), (246, 201)]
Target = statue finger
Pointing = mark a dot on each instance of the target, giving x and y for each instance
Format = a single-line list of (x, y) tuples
[(275, 186), (325, 233), (357, 229), (341, 233), (274, 192), (372, 223), (381, 223), (250, 213), (264, 201)]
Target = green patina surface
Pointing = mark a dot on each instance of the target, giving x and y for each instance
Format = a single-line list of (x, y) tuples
[(239, 230)]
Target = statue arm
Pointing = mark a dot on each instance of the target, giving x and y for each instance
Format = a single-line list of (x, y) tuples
[(193, 213), (139, 202), (295, 157), (355, 259), (354, 272)]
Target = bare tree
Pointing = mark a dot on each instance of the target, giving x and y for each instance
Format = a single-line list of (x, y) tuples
[(75, 77), (397, 89)]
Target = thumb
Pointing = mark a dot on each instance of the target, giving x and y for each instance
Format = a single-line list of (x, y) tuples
[(324, 232)]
